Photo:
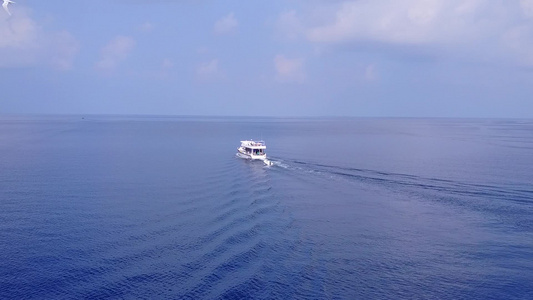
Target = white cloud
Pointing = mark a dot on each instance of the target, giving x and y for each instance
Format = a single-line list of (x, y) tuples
[(146, 27), (527, 7), (165, 70), (289, 70), (370, 72), (475, 28), (407, 21), (519, 41), (167, 64), (19, 31), (62, 50), (23, 42), (226, 25), (116, 51), (208, 69), (289, 25)]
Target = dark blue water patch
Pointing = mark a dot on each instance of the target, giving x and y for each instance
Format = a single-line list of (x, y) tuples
[(252, 288), (509, 204), (119, 207)]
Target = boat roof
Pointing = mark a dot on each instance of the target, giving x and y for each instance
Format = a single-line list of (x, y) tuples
[(253, 144)]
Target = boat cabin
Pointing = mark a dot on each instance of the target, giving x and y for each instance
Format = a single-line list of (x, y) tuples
[(253, 148)]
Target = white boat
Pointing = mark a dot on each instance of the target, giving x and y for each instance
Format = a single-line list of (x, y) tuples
[(253, 150)]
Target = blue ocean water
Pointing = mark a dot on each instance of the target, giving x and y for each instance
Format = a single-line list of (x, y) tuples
[(161, 208)]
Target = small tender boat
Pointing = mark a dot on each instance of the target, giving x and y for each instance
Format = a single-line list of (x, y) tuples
[(253, 150)]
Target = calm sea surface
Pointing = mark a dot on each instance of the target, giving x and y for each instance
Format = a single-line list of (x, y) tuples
[(160, 207)]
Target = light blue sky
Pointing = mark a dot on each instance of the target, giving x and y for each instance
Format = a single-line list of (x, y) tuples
[(409, 58)]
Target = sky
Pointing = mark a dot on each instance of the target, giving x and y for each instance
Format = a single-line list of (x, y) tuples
[(361, 58)]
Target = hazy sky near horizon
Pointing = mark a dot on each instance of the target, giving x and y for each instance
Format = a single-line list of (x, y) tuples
[(409, 58)]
